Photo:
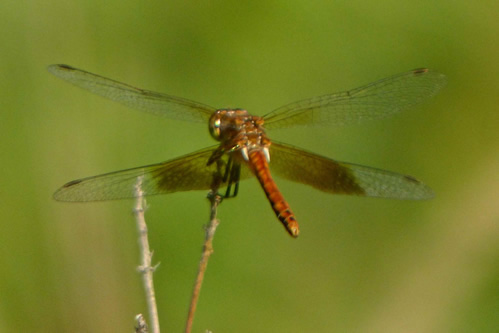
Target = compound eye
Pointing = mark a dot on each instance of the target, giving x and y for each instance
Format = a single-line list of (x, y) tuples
[(215, 126)]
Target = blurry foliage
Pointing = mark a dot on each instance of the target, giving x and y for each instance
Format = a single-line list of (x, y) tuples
[(359, 264)]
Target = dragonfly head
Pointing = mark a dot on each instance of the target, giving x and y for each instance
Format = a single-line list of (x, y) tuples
[(225, 124)]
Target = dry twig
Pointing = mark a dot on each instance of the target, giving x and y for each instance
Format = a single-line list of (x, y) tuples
[(215, 200), (146, 255)]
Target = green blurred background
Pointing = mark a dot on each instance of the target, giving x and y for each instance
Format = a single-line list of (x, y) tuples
[(360, 265)]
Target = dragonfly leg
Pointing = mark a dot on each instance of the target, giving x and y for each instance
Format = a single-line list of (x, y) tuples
[(228, 176), (233, 173), (237, 174), (228, 168)]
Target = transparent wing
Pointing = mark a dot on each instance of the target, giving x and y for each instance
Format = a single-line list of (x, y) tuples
[(343, 178), (375, 100), (185, 173), (143, 100)]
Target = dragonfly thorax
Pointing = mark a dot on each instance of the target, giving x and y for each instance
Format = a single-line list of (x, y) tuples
[(237, 129)]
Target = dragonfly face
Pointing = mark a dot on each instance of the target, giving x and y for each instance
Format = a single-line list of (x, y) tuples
[(246, 151)]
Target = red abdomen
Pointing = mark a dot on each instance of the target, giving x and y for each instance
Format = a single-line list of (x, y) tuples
[(281, 208)]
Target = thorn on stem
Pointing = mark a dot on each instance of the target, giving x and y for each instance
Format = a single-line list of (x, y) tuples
[(140, 324)]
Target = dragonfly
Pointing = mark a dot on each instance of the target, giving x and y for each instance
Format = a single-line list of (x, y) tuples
[(245, 150)]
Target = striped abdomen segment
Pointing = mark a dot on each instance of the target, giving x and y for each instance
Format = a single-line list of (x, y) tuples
[(281, 208)]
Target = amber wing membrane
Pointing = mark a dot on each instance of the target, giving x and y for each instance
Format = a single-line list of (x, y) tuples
[(140, 99), (343, 178), (185, 173), (375, 100)]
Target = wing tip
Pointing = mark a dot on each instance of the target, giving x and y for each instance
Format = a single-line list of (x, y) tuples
[(59, 67), (426, 71)]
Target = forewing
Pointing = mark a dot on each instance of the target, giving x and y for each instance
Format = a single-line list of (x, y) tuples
[(343, 178), (375, 100), (143, 100)]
